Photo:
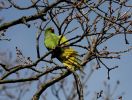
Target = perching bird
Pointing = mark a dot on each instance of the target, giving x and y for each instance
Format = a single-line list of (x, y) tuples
[(65, 54)]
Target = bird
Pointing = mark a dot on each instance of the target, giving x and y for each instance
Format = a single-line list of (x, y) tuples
[(64, 53)]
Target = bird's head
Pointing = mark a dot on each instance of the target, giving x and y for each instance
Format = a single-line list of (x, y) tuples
[(49, 29)]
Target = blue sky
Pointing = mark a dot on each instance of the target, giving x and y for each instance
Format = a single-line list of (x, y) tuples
[(24, 38)]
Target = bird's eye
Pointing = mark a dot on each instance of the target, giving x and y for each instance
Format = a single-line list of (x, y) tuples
[(52, 30)]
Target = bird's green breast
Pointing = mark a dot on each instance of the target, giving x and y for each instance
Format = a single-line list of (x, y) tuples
[(51, 41)]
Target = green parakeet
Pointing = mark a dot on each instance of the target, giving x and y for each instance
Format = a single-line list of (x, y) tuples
[(67, 55)]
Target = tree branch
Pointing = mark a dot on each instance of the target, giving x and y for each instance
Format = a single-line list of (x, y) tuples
[(29, 18)]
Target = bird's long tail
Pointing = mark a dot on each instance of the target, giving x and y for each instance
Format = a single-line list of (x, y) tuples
[(71, 60)]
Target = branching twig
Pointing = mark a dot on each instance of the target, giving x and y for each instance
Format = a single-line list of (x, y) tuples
[(28, 18), (79, 86)]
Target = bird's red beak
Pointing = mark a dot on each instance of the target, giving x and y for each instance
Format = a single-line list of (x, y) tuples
[(52, 30)]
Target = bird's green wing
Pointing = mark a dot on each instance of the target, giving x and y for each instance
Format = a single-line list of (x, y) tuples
[(63, 40)]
